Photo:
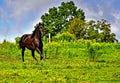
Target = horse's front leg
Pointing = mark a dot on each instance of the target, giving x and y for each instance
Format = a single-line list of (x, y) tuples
[(23, 49), (40, 52), (33, 55)]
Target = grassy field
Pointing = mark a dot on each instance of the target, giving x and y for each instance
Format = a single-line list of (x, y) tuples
[(65, 62)]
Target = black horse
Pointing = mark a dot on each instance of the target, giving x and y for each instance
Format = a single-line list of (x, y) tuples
[(33, 42)]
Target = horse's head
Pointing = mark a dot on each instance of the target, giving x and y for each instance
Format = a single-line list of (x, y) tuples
[(41, 29)]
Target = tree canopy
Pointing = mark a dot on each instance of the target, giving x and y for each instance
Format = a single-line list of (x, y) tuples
[(67, 17), (77, 27), (94, 30), (58, 18)]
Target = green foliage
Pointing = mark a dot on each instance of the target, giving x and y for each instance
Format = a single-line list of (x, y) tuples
[(99, 31), (77, 28), (92, 31), (58, 18), (68, 18), (63, 49), (105, 34), (64, 62), (9, 49), (64, 37), (77, 48), (93, 50), (17, 39), (117, 45)]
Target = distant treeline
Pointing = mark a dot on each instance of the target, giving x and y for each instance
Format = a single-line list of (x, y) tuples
[(68, 18)]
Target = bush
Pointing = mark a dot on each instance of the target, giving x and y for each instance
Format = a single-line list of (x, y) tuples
[(17, 39), (51, 49), (64, 37), (9, 49), (93, 50)]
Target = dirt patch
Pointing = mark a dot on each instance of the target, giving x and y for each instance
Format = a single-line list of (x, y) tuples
[(4, 57)]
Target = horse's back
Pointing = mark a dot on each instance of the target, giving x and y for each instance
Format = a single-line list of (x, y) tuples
[(21, 42)]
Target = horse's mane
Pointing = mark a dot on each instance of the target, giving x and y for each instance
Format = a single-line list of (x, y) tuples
[(34, 32)]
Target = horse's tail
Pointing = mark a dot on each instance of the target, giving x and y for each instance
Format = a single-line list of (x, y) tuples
[(21, 45), (20, 42)]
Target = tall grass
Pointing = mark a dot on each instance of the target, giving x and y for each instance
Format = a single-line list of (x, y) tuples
[(66, 62), (89, 49), (73, 49)]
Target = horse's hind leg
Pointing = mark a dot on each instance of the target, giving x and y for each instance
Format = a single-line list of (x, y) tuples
[(33, 55), (23, 49)]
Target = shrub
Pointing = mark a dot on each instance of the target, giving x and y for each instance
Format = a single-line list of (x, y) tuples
[(64, 37), (51, 49), (117, 45), (93, 50), (17, 39)]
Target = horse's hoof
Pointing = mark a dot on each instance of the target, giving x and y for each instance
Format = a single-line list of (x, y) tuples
[(41, 58)]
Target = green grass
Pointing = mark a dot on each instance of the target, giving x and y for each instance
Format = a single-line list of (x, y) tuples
[(66, 62)]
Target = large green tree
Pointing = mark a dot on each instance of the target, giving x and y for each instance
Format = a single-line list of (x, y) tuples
[(100, 31), (105, 31), (77, 27), (94, 30), (58, 18)]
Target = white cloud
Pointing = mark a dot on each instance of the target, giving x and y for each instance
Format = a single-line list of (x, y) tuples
[(116, 15), (31, 26), (21, 8), (116, 24), (3, 14), (102, 10)]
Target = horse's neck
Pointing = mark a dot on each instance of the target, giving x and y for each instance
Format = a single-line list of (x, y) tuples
[(37, 35)]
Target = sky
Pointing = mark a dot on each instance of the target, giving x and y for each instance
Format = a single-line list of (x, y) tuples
[(18, 17)]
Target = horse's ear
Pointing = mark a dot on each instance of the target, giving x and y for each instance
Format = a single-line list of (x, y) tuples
[(43, 24), (39, 23)]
